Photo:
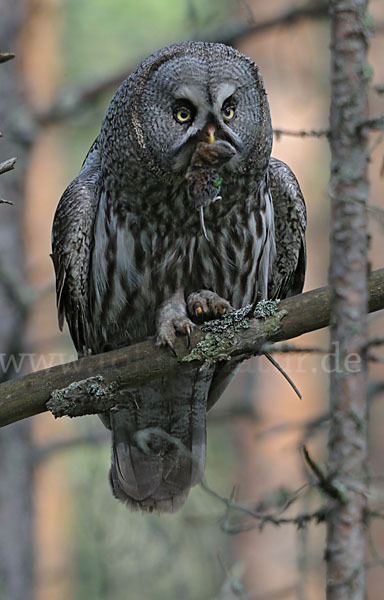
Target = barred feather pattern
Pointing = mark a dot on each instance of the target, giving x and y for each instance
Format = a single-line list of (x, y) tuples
[(139, 261), (127, 241)]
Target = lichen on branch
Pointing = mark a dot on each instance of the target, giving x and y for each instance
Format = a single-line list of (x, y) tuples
[(222, 335)]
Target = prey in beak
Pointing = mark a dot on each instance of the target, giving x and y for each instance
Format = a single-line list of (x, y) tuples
[(203, 174)]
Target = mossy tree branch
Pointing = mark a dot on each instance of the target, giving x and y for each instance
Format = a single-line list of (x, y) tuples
[(94, 377)]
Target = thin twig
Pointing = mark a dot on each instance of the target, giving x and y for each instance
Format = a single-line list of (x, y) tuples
[(291, 348), (5, 56), (375, 389), (375, 514), (375, 358), (284, 374), (377, 212), (300, 520), (375, 144), (250, 16), (317, 133), (7, 165), (235, 584), (309, 426), (375, 562), (68, 102), (233, 32), (325, 483), (376, 123), (376, 341)]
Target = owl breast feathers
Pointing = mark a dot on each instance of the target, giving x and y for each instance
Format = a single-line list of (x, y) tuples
[(179, 214)]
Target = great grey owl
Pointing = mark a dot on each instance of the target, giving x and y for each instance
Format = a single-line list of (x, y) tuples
[(179, 214)]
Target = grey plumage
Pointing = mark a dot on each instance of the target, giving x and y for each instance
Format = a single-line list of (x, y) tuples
[(189, 131)]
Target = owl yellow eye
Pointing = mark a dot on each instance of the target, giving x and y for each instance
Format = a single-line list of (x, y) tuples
[(183, 115), (228, 113)]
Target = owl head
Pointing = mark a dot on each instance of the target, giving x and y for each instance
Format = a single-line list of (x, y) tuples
[(188, 93)]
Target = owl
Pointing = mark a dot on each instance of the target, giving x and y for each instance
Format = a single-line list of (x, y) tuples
[(179, 215)]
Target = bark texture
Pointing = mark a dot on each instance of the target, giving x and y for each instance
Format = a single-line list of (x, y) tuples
[(88, 385), (345, 552), (16, 472)]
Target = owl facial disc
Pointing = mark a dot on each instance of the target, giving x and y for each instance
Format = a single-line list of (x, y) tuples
[(183, 89)]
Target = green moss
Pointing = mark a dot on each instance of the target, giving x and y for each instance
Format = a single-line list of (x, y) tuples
[(272, 324), (367, 71), (222, 333), (369, 22), (75, 399), (265, 308)]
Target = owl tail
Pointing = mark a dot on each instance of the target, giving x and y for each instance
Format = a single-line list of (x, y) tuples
[(158, 446), (151, 468)]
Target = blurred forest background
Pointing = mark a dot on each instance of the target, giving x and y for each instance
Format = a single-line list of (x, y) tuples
[(57, 515)]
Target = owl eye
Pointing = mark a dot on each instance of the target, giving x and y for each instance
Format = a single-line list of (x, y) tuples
[(228, 113), (183, 115)]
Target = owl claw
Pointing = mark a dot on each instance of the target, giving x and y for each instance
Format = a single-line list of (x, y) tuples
[(198, 312), (168, 341), (206, 305), (172, 347), (169, 326)]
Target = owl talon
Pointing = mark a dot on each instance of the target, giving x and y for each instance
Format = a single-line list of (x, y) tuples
[(172, 348), (198, 312), (188, 340), (171, 320), (206, 305)]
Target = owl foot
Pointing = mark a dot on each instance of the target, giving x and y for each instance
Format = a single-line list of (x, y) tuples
[(206, 306), (167, 330), (171, 320)]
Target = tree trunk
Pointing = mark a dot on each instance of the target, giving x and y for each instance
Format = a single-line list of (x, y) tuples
[(345, 553), (16, 469)]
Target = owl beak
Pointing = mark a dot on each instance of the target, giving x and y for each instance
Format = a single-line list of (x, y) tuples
[(211, 134)]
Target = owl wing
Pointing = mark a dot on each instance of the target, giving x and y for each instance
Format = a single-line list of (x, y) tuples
[(72, 237), (288, 271)]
